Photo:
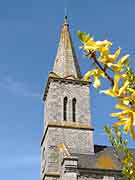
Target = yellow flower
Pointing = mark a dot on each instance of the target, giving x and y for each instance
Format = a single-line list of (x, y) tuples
[(119, 66), (91, 45), (96, 73), (131, 98), (116, 91), (109, 58), (100, 46), (126, 118), (104, 51), (103, 44)]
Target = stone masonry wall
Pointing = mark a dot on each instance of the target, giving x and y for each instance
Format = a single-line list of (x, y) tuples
[(54, 102), (77, 140)]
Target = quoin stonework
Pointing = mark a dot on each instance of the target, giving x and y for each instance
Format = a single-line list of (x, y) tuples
[(67, 148)]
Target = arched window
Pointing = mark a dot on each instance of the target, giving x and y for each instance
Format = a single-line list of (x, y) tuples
[(74, 109), (65, 108)]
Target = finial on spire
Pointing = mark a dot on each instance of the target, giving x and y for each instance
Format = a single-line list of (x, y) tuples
[(66, 17)]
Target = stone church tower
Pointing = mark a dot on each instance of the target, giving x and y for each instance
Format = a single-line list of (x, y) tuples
[(67, 148)]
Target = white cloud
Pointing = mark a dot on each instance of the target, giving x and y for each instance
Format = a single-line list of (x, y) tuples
[(18, 87)]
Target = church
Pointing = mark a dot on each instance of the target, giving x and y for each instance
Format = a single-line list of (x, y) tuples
[(67, 148)]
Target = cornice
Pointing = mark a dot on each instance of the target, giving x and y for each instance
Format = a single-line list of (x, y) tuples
[(51, 174), (63, 80), (66, 125)]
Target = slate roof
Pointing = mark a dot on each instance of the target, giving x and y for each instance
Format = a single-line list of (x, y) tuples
[(103, 159)]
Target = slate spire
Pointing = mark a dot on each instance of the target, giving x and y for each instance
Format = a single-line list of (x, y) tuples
[(66, 64)]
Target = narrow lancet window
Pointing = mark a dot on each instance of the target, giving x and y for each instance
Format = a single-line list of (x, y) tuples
[(74, 109), (65, 108)]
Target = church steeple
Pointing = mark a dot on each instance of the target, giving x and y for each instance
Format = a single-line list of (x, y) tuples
[(67, 116), (66, 64)]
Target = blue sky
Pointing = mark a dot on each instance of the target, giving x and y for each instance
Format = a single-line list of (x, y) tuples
[(29, 35)]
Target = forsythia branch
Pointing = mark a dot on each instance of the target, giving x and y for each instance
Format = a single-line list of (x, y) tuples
[(122, 78)]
